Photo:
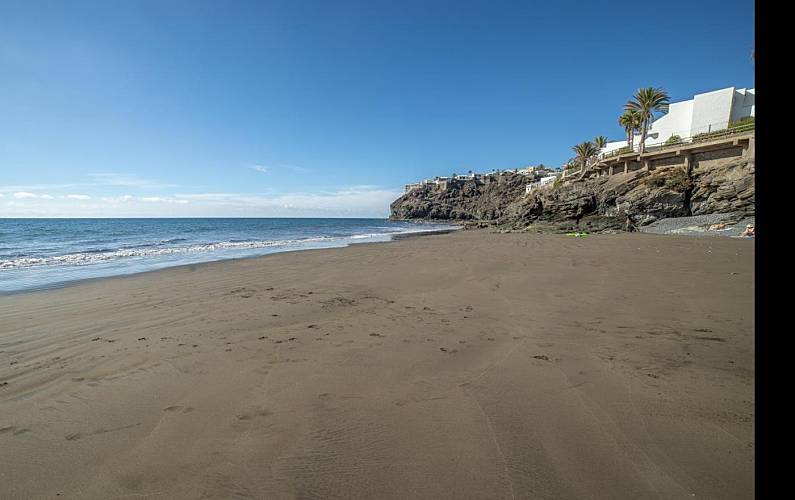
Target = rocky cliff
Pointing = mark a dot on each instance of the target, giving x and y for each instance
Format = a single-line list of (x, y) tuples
[(472, 199), (716, 184)]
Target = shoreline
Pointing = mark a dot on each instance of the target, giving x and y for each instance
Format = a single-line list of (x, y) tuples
[(68, 283), (552, 365)]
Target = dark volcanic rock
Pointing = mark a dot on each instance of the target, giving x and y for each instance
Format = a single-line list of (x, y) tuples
[(597, 204), (726, 187), (463, 200)]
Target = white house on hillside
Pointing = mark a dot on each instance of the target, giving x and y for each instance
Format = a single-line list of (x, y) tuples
[(706, 112)]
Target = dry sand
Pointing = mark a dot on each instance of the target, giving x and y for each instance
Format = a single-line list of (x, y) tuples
[(466, 365)]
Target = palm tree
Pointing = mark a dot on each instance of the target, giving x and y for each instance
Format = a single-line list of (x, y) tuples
[(646, 101), (585, 152), (600, 141), (630, 120)]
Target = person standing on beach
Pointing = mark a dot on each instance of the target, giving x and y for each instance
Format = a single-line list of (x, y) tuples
[(630, 226)]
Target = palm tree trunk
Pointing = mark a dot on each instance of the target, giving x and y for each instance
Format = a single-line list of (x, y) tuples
[(643, 136)]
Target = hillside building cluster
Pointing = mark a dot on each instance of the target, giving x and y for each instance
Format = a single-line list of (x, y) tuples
[(533, 173)]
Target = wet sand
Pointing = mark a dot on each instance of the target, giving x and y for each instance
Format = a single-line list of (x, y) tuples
[(463, 365)]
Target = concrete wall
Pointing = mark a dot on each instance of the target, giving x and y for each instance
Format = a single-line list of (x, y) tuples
[(633, 165), (671, 161), (675, 122), (708, 158), (712, 110), (613, 146), (743, 105)]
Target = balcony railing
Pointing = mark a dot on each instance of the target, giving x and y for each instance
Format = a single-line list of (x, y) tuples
[(709, 133)]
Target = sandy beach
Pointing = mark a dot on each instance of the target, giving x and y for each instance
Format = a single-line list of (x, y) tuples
[(462, 365)]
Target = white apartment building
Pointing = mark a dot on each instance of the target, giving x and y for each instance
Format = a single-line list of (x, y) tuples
[(704, 113)]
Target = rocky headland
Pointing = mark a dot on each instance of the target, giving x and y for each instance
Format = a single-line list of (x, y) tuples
[(716, 188)]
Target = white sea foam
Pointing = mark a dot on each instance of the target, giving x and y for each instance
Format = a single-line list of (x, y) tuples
[(86, 258), (143, 252)]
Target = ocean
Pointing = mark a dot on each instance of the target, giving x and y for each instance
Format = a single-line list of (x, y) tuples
[(46, 253)]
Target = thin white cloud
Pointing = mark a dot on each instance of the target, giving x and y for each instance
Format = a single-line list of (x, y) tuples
[(206, 196), (265, 169), (78, 197), (260, 168), (158, 199), (354, 201), (126, 180), (359, 200), (37, 187), (118, 199)]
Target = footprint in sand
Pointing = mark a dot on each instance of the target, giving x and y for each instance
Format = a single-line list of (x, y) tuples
[(254, 413), (14, 430), (175, 408)]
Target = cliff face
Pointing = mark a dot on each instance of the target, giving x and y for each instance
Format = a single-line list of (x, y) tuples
[(714, 185), (462, 200)]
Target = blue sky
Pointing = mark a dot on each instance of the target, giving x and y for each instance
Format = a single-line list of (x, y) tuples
[(297, 108)]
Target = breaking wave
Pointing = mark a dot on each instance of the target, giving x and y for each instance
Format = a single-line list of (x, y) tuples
[(96, 256)]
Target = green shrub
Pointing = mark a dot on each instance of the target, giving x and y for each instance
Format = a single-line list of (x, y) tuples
[(678, 181), (745, 123), (674, 139), (705, 136), (742, 122)]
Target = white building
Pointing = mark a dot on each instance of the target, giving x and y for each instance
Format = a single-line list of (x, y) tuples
[(541, 182), (704, 113)]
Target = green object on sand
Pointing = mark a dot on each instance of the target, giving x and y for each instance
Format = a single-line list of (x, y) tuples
[(577, 234)]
